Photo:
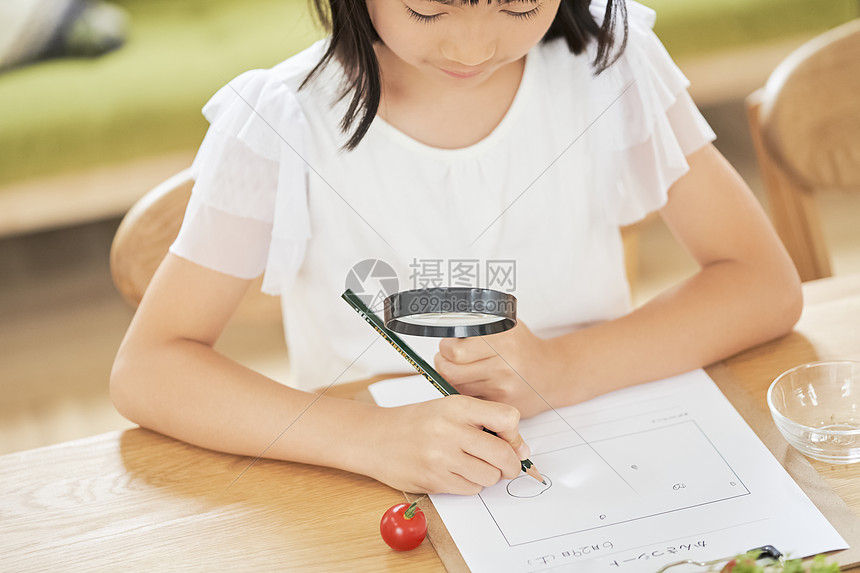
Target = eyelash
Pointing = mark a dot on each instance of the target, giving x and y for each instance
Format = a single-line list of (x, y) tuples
[(526, 15), (425, 19)]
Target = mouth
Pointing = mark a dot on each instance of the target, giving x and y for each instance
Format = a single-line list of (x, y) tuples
[(462, 75)]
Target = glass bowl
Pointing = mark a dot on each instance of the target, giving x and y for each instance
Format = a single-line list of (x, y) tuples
[(817, 408)]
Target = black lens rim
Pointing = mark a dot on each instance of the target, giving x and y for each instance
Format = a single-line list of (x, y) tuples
[(440, 300)]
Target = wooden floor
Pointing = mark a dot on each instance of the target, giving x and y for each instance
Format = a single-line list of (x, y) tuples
[(61, 320)]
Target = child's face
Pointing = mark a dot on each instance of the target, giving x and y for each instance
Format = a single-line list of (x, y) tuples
[(458, 43)]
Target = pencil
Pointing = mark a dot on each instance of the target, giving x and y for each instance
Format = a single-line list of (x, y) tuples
[(421, 365)]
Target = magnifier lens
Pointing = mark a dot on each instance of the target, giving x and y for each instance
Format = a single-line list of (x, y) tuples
[(450, 312), (450, 319)]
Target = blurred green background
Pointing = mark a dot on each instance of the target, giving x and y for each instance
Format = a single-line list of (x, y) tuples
[(145, 97)]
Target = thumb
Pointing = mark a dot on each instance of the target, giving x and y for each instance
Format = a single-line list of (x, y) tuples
[(520, 447), (503, 420)]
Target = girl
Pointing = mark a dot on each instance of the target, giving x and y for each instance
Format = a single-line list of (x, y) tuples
[(524, 131)]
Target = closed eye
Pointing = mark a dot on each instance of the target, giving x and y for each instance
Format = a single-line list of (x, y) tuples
[(525, 15), (423, 18)]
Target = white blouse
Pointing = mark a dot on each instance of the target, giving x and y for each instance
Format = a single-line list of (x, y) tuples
[(533, 209)]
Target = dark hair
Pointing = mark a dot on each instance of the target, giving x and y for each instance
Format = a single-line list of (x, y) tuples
[(353, 36)]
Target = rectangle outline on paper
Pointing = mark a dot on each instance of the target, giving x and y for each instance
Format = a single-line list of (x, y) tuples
[(608, 524)]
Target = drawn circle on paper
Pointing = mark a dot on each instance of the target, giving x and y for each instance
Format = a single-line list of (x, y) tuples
[(527, 486)]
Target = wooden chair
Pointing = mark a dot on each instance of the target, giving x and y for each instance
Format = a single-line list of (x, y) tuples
[(805, 125), (144, 236)]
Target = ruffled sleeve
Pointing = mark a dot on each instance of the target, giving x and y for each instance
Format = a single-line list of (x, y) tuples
[(248, 212), (646, 121)]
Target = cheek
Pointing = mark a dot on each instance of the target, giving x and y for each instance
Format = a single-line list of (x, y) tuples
[(399, 41), (520, 37), (526, 39), (396, 34), (517, 42), (538, 29)]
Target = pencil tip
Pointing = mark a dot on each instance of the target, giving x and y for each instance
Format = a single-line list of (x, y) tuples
[(532, 471)]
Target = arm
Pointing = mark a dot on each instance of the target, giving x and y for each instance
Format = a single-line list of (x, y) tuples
[(746, 292), (168, 377)]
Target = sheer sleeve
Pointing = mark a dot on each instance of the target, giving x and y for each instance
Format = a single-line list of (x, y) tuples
[(248, 210), (648, 123)]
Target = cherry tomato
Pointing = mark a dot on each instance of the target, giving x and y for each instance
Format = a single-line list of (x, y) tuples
[(403, 526)]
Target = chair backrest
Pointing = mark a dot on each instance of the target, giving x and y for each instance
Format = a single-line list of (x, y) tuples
[(805, 125), (144, 237)]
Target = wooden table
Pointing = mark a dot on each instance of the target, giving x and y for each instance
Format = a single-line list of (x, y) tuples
[(136, 500)]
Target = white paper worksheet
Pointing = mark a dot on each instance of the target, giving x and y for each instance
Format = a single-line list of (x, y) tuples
[(636, 479)]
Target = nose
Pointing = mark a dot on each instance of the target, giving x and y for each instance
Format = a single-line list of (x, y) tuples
[(469, 57), (469, 46)]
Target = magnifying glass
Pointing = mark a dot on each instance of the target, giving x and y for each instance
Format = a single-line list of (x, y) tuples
[(450, 312)]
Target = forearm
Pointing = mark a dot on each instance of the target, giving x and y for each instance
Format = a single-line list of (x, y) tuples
[(168, 377), (201, 397), (726, 307), (186, 390)]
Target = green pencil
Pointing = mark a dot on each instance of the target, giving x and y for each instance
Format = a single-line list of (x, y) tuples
[(417, 362)]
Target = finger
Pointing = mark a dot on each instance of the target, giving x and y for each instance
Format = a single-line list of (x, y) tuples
[(478, 396), (478, 470), (499, 388), (521, 447), (503, 420), (464, 350), (485, 389), (473, 389), (495, 454), (463, 373), (447, 481), (461, 486), (500, 450)]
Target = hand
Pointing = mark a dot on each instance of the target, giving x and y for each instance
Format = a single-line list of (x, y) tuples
[(440, 446), (514, 367)]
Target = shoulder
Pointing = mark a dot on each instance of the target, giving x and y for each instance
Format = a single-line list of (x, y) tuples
[(287, 76), (644, 122), (293, 71), (635, 41), (643, 71), (643, 51), (265, 107)]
